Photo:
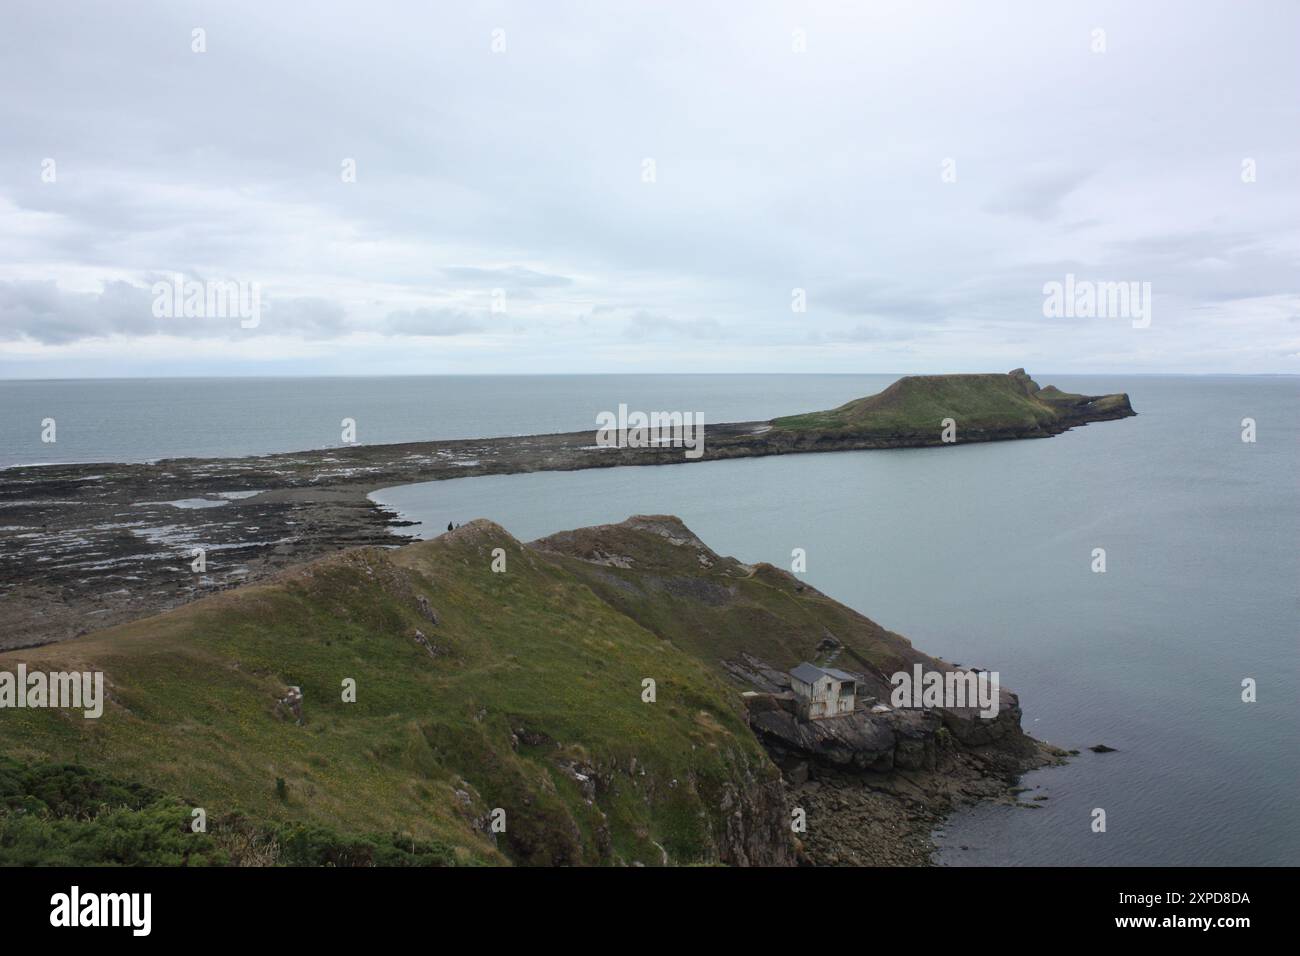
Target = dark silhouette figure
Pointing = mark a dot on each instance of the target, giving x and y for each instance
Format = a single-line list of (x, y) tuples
[(448, 525)]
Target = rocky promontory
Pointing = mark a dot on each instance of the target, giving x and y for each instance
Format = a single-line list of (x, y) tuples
[(609, 695)]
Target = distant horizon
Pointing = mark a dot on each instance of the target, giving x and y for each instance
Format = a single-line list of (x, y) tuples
[(371, 375)]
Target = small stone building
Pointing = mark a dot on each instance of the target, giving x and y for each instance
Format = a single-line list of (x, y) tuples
[(822, 692)]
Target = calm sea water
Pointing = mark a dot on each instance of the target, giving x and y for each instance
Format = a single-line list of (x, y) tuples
[(980, 554)]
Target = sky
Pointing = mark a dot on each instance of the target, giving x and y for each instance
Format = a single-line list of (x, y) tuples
[(565, 187)]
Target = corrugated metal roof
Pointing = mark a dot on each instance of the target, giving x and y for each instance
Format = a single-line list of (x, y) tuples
[(808, 673), (811, 673)]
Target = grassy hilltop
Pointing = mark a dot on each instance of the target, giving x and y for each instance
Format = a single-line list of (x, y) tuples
[(916, 404), (475, 690)]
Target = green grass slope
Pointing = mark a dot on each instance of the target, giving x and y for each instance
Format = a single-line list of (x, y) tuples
[(654, 569), (525, 695)]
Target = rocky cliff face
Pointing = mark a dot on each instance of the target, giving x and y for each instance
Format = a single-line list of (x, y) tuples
[(755, 828), (878, 783)]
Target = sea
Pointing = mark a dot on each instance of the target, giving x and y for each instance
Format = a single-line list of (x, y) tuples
[(983, 554)]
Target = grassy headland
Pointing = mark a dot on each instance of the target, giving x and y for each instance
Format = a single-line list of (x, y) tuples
[(519, 690), (476, 691)]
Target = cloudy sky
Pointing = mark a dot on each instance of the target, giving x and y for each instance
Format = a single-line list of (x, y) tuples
[(604, 187)]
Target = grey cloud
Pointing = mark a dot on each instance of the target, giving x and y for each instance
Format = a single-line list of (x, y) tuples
[(523, 173), (41, 311), (306, 316), (878, 297), (431, 322), (642, 324), (1037, 197), (1212, 266), (512, 277), (862, 333), (878, 333)]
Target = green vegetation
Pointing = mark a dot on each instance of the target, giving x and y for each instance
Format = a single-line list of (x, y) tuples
[(716, 607), (67, 815), (528, 698), (917, 404)]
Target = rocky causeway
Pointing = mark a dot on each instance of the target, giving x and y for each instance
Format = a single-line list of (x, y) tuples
[(87, 546)]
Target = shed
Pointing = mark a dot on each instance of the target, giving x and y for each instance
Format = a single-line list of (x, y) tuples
[(823, 692)]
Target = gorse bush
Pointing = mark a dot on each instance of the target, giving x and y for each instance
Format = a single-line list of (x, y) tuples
[(68, 815), (66, 790)]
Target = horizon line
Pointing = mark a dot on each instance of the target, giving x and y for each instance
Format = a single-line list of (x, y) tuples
[(402, 375)]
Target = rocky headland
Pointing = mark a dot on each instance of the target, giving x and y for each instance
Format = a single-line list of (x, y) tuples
[(612, 695)]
